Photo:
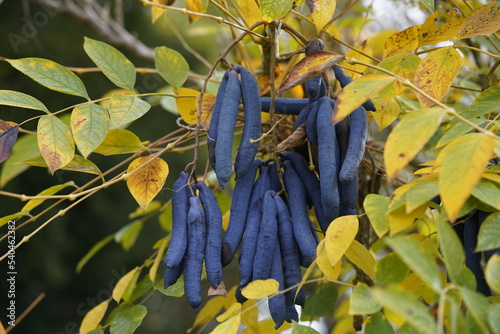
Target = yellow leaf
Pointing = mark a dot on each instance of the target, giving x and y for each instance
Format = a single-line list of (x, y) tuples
[(159, 256), (199, 6), (482, 21), (321, 12), (324, 264), (403, 64), (376, 207), (249, 11), (123, 283), (431, 34), (357, 92), (357, 68), (120, 141), (436, 72), (230, 326), (462, 162), (402, 42), (400, 220), (386, 113), (93, 317), (157, 11), (339, 237), (260, 289), (362, 258), (230, 312), (188, 106), (308, 68), (209, 311), (250, 315), (408, 138), (55, 142), (146, 183)]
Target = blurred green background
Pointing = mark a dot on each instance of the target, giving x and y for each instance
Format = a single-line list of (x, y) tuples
[(46, 264)]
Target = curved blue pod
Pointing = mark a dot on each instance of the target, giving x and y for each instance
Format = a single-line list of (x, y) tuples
[(226, 125), (195, 253), (214, 121), (240, 204), (328, 163), (250, 95), (180, 207), (213, 220)]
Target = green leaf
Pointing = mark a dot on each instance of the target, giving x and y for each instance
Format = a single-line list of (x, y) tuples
[(429, 4), (93, 251), (378, 324), (172, 66), (141, 288), (24, 148), (301, 329), (494, 318), (488, 193), (175, 290), (451, 248), (90, 124), (322, 303), (77, 164), (128, 234), (477, 305), (417, 258), (390, 270), (271, 10), (21, 100), (120, 141), (376, 207), (491, 94), (126, 108), (489, 233), (126, 318), (47, 192), (407, 306), (55, 142), (409, 137), (462, 163), (492, 273), (420, 193), (112, 63), (457, 130), (361, 301), (51, 75)]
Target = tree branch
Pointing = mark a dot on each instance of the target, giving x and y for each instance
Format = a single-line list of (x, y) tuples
[(98, 18)]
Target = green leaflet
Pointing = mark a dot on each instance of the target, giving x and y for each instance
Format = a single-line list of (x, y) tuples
[(171, 65), (90, 125), (126, 108), (51, 75), (113, 64), (21, 100)]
